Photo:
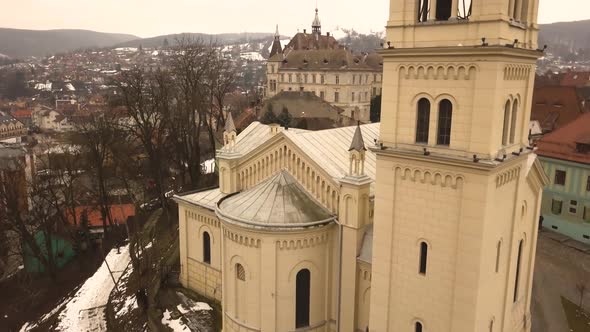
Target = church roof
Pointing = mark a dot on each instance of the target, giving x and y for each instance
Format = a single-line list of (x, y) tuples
[(279, 202), (205, 198), (329, 59), (357, 144)]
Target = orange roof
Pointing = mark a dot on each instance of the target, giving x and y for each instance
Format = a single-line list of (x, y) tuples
[(22, 113), (119, 213), (571, 142), (555, 106)]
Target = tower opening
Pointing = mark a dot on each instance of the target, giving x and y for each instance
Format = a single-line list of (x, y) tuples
[(445, 120), (423, 257), (443, 10), (302, 297), (423, 121)]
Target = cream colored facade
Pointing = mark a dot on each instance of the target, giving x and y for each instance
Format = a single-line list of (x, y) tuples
[(431, 228), (350, 90)]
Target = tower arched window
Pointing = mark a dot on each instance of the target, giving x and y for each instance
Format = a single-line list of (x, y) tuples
[(505, 127), (302, 298), (444, 10), (423, 257), (513, 121), (498, 253), (206, 248), (423, 121), (517, 274), (445, 119), (418, 327)]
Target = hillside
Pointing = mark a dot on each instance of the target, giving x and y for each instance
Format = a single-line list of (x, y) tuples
[(19, 43), (224, 39), (573, 34)]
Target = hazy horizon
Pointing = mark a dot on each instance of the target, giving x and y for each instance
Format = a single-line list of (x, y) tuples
[(178, 16)]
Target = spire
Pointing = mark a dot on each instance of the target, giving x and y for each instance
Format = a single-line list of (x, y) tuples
[(276, 44), (357, 144), (316, 25), (229, 124)]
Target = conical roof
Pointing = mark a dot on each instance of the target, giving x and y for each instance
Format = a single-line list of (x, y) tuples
[(229, 123), (279, 202), (357, 144), (316, 21)]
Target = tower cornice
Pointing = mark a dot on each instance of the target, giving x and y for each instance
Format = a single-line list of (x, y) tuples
[(487, 51)]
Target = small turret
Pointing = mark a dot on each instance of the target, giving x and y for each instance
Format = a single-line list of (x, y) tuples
[(229, 134), (357, 154), (316, 25)]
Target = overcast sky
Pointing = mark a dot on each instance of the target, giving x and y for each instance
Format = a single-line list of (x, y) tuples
[(147, 18)]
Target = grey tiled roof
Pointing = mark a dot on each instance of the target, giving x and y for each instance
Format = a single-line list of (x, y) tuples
[(277, 202)]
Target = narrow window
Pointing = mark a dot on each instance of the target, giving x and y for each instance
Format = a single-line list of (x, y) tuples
[(206, 248), (513, 121), (573, 206), (322, 95), (517, 276), (443, 10), (423, 257), (418, 327), (322, 79), (240, 272), (353, 79), (586, 215), (302, 297), (290, 78), (336, 97), (498, 252), (353, 97), (445, 119), (313, 78), (492, 325), (560, 177), (588, 184), (423, 121), (337, 79), (506, 123), (556, 206)]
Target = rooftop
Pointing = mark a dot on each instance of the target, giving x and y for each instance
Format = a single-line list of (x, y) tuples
[(571, 142)]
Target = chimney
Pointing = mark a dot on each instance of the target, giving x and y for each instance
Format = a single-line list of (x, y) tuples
[(305, 31), (328, 34)]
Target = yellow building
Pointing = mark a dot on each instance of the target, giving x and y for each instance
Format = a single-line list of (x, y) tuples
[(425, 222), (318, 63)]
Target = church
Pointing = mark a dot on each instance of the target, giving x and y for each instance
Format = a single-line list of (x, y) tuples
[(425, 222)]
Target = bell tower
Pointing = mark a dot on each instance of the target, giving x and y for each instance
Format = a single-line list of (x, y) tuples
[(457, 189)]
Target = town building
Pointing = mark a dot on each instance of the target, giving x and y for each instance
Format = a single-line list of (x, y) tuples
[(426, 221), (565, 155), (11, 129), (318, 63), (555, 106)]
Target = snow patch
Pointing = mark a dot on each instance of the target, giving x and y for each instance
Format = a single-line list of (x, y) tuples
[(175, 324)]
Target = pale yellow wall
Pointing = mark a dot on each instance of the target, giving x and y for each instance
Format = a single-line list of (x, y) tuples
[(363, 296), (271, 261), (195, 273)]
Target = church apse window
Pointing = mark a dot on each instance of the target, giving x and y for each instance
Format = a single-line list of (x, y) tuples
[(418, 327), (206, 248), (423, 257), (423, 121), (240, 272), (445, 119), (302, 298)]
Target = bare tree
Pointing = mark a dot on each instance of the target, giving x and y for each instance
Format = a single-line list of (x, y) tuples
[(148, 99)]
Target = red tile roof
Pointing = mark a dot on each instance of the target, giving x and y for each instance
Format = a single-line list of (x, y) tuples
[(119, 213), (23, 113), (565, 143), (555, 106), (576, 79)]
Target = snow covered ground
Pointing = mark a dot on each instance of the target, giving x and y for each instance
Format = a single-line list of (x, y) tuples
[(85, 310)]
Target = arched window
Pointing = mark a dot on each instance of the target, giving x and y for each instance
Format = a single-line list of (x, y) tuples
[(240, 272), (302, 298), (418, 327), (423, 121), (206, 248), (423, 257), (513, 121), (445, 119), (498, 252), (517, 275), (506, 123), (423, 10)]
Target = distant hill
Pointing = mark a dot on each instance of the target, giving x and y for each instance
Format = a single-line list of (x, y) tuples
[(223, 38), (568, 40), (19, 43)]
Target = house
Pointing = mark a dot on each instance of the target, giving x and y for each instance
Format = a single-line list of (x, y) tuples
[(120, 213), (576, 79), (24, 115), (11, 129), (51, 120), (565, 156)]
